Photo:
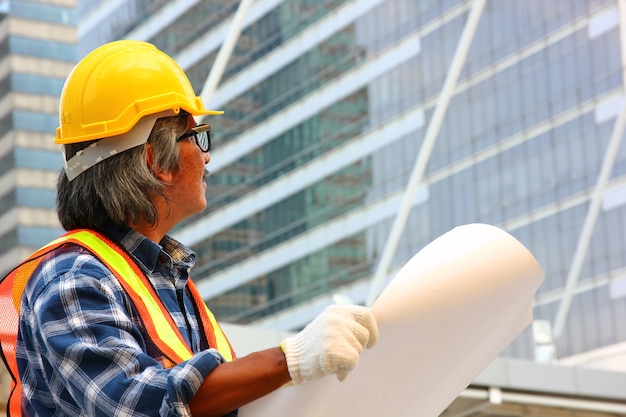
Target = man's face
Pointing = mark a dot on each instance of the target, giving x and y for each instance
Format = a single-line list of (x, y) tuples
[(187, 194)]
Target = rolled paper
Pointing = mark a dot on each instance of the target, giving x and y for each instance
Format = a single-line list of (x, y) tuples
[(448, 313)]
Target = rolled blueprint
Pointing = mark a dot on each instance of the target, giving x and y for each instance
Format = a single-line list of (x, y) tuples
[(442, 319)]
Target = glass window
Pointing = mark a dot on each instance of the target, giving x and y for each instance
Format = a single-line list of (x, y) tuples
[(44, 12), (36, 84), (38, 159), (38, 122), (35, 197), (9, 241), (7, 163), (36, 236), (43, 48)]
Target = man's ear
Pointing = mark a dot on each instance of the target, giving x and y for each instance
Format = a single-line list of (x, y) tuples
[(159, 174)]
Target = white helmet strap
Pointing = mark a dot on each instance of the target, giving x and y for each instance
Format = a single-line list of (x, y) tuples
[(107, 147)]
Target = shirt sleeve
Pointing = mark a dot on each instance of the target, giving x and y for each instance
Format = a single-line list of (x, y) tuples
[(82, 344)]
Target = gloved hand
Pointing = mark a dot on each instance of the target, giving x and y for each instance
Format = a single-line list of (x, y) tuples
[(331, 343)]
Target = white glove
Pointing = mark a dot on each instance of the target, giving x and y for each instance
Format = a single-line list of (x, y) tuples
[(330, 344)]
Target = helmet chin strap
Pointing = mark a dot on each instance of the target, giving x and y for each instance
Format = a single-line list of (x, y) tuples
[(107, 147)]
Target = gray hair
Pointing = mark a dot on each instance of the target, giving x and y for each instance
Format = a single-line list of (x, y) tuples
[(121, 187)]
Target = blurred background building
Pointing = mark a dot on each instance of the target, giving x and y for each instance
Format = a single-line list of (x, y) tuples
[(327, 105)]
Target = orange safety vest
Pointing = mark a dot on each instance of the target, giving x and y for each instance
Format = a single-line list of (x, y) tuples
[(157, 320)]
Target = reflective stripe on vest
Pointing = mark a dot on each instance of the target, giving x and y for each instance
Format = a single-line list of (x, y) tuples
[(157, 320)]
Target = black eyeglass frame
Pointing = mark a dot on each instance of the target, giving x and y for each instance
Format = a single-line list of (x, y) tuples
[(199, 133)]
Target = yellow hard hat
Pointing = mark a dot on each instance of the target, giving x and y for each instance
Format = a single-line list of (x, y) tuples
[(116, 85)]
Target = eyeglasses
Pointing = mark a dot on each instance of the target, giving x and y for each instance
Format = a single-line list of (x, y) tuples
[(202, 135)]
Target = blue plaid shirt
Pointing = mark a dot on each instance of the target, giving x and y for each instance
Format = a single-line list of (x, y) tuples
[(82, 348)]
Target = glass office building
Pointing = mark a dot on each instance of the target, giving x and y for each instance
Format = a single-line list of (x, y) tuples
[(327, 105), (38, 49), (326, 108)]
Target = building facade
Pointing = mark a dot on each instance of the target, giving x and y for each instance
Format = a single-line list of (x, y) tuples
[(39, 48), (327, 107)]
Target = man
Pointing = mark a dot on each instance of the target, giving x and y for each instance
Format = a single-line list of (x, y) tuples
[(110, 323)]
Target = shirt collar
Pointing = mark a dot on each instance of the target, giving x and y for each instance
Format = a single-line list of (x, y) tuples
[(148, 253)]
